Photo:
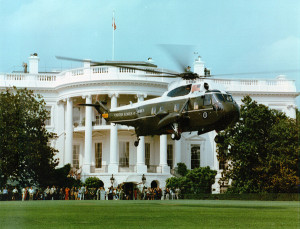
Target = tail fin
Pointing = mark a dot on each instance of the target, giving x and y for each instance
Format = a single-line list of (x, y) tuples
[(100, 107)]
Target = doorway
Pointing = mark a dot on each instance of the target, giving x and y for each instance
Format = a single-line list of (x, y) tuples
[(154, 184), (128, 189)]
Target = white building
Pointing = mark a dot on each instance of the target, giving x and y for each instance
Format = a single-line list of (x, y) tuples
[(100, 149)]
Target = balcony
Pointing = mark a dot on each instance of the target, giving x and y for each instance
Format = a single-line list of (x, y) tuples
[(74, 76)]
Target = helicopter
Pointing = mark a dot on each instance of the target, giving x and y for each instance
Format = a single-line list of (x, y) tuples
[(190, 105)]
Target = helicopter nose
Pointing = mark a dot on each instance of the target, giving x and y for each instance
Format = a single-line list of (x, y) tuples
[(232, 114), (236, 113)]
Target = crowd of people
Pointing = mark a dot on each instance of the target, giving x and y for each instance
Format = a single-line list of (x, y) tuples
[(84, 193)]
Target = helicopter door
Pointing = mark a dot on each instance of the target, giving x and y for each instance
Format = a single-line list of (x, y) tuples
[(207, 100)]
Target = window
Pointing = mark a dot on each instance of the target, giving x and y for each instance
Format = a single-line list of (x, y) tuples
[(223, 165), (219, 97), (124, 154), (195, 156), (98, 121), (147, 154), (228, 97), (196, 106), (176, 107), (48, 121), (170, 156), (76, 156), (180, 91), (153, 110), (76, 116), (98, 155), (207, 100)]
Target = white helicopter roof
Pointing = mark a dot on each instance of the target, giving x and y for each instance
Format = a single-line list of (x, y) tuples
[(196, 86)]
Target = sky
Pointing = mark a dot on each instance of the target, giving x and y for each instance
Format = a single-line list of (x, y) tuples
[(231, 36)]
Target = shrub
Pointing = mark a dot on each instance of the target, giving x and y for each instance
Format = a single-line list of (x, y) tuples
[(182, 169), (93, 182)]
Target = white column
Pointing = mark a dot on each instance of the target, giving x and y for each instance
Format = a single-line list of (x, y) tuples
[(60, 124), (88, 136), (163, 154), (177, 152), (113, 166), (140, 160), (69, 132)]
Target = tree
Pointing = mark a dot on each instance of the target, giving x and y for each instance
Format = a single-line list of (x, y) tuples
[(25, 155), (182, 169), (61, 177), (261, 150), (93, 182), (196, 181)]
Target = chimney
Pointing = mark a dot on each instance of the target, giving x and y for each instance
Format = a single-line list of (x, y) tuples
[(199, 66), (34, 63)]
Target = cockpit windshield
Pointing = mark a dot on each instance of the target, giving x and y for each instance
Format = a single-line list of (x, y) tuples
[(180, 91), (228, 97), (219, 97)]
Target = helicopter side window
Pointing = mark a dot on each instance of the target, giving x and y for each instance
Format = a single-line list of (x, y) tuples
[(196, 106), (180, 91), (153, 110), (207, 100)]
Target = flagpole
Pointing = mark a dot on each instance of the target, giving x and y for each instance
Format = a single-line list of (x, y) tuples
[(113, 40)]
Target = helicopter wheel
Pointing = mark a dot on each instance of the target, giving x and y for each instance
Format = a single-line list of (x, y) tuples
[(175, 136)]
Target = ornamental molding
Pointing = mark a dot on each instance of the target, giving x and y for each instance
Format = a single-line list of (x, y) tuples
[(162, 85)]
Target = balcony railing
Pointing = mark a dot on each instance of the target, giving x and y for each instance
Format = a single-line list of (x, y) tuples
[(112, 73)]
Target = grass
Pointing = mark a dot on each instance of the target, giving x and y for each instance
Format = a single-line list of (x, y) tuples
[(149, 214)]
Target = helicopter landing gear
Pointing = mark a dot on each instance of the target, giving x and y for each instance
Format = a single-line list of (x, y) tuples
[(136, 143), (176, 135)]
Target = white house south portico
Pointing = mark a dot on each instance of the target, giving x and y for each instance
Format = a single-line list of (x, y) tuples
[(101, 149)]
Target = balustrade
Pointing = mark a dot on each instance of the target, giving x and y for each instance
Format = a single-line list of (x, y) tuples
[(64, 77)]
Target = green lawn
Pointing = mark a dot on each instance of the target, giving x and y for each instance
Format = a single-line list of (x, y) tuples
[(149, 214)]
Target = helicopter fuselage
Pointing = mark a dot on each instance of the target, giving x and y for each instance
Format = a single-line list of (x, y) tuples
[(184, 109)]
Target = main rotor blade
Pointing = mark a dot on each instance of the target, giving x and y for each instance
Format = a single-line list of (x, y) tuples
[(108, 63), (125, 64), (180, 54), (77, 60)]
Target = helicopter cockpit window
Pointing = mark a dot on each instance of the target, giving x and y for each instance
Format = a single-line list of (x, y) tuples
[(219, 97), (228, 97), (180, 91), (207, 100)]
